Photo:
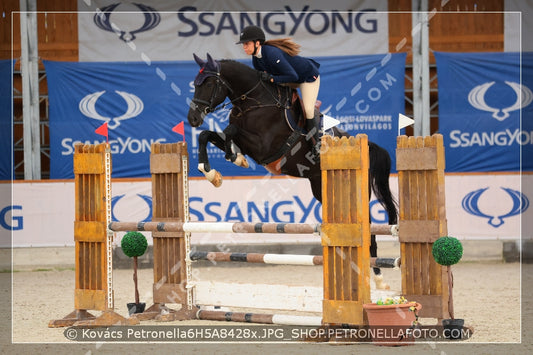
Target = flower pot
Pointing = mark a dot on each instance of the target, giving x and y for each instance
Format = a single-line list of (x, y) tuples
[(136, 307), (453, 328), (390, 324)]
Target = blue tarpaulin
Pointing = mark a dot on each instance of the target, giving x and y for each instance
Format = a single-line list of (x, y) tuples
[(6, 92), (486, 110), (143, 102)]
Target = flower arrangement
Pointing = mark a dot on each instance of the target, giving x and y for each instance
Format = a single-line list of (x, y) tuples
[(396, 313), (394, 300), (400, 301)]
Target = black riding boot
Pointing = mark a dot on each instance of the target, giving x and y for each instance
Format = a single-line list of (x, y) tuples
[(313, 136)]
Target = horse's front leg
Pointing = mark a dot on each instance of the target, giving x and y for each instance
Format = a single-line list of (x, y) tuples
[(233, 153), (217, 140)]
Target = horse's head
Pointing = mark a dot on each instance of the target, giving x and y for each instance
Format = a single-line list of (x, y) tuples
[(209, 90)]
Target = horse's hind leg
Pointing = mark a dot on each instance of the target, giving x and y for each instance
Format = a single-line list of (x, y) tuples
[(216, 139), (379, 183), (378, 277)]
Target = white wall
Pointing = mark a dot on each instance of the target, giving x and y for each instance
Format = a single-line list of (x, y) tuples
[(42, 213)]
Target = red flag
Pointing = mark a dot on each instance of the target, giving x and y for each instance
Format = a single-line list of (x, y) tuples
[(179, 129), (102, 130)]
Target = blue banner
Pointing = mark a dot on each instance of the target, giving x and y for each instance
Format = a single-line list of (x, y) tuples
[(142, 102), (366, 93), (6, 119), (485, 110)]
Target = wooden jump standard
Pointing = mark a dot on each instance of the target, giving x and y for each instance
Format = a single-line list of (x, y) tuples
[(420, 164), (345, 232), (93, 244)]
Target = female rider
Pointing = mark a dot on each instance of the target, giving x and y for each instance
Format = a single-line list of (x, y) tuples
[(279, 62)]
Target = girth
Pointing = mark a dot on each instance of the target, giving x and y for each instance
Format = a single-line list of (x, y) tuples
[(272, 163), (289, 143)]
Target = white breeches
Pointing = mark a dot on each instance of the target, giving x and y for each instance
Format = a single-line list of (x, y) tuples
[(309, 92)]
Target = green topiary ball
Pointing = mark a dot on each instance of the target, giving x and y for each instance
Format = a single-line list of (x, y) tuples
[(447, 250), (134, 244)]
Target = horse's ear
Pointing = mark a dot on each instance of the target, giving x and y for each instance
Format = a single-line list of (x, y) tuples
[(211, 63), (198, 60)]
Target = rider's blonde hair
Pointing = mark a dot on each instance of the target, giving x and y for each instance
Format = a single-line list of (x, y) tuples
[(285, 44)]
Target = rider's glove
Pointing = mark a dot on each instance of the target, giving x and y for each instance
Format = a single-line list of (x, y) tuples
[(266, 77)]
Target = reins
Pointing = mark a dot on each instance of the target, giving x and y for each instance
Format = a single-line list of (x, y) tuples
[(209, 104), (291, 140), (277, 100)]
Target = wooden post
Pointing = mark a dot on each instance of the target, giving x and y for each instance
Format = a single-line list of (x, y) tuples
[(345, 229), (420, 163), (169, 168), (94, 287)]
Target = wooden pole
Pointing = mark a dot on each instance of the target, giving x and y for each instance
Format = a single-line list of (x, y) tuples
[(237, 227), (450, 288), (281, 319), (281, 259), (135, 279)]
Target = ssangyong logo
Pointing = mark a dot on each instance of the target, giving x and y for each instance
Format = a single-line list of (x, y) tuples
[(520, 204), (102, 19), (476, 98), (87, 107), (145, 198)]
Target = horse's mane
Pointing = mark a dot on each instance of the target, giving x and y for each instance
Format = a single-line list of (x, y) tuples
[(245, 72), (240, 66)]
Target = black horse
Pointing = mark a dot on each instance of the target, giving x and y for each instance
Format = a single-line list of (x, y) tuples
[(260, 127)]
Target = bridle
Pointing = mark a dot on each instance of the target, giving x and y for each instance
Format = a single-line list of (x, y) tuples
[(220, 83)]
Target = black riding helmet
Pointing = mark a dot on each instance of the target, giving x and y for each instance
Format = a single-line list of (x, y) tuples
[(251, 33)]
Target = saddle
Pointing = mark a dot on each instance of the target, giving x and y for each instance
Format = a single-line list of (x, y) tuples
[(294, 114), (295, 118)]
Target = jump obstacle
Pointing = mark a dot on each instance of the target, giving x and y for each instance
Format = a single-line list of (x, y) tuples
[(345, 234)]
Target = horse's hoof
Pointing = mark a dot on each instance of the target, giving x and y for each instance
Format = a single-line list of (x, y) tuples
[(217, 179), (241, 161), (380, 284), (214, 177)]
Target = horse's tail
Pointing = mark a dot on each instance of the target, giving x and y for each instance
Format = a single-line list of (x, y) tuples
[(380, 165)]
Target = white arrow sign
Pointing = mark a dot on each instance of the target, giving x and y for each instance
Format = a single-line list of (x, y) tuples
[(404, 121), (329, 122)]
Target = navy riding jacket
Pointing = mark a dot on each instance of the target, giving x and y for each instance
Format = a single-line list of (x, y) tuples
[(285, 68)]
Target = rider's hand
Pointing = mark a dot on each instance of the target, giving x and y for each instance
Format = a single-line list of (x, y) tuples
[(266, 77)]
